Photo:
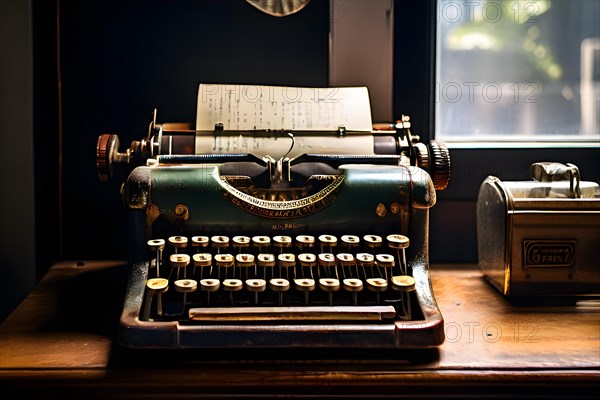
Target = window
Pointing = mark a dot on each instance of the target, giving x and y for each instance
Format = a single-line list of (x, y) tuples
[(518, 71)]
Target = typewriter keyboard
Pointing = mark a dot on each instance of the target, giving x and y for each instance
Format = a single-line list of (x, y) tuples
[(275, 278)]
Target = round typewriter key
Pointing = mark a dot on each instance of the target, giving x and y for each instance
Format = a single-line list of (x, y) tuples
[(286, 260), (179, 261), (329, 285), (261, 242), (244, 260), (232, 285), (326, 260), (156, 244), (256, 286), (398, 241), (305, 241), (178, 242), (327, 240), (345, 259), (377, 284), (403, 283), (385, 260), (185, 285), (279, 285), (199, 241), (224, 260), (353, 285), (154, 286), (305, 285), (372, 241), (365, 259), (210, 285), (241, 242), (307, 259), (157, 285), (350, 241), (202, 259), (266, 260), (219, 242), (282, 241)]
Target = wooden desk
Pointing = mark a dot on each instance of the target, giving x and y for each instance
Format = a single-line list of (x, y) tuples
[(58, 343)]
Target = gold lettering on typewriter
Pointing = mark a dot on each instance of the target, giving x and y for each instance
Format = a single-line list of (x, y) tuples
[(282, 209)]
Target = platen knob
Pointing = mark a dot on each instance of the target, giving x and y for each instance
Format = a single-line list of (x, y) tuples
[(107, 154), (435, 159), (439, 164), (105, 148)]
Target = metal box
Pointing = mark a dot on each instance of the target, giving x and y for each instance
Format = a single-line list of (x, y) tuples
[(540, 238)]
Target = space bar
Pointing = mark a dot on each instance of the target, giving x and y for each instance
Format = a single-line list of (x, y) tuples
[(342, 313)]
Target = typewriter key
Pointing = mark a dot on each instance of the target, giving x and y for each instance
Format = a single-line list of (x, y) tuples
[(265, 261), (350, 242), (366, 260), (279, 285), (327, 242), (154, 286), (157, 245), (219, 242), (386, 262), (241, 243), (307, 259), (209, 285), (261, 242), (373, 241), (223, 261), (306, 286), (285, 260), (179, 261), (353, 285), (399, 242), (178, 242), (243, 262), (256, 286), (305, 242), (327, 260), (281, 242), (377, 285), (232, 285), (202, 260), (403, 283), (200, 241), (185, 286), (329, 285)]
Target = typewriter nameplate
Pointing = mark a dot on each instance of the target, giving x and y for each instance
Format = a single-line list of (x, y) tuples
[(282, 209)]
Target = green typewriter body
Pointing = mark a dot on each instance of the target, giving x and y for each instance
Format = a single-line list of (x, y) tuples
[(239, 249)]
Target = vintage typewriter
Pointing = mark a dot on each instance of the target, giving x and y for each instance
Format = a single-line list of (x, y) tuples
[(278, 237)]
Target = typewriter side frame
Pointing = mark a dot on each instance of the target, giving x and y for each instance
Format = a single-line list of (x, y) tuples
[(399, 334)]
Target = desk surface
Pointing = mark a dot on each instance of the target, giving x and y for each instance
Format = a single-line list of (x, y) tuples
[(58, 342)]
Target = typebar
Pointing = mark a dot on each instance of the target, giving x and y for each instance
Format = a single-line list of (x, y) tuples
[(340, 313)]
